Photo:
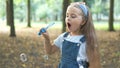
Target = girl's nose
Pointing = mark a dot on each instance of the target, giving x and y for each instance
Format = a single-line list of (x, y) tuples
[(68, 18)]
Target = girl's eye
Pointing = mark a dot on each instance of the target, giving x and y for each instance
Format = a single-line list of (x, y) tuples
[(73, 16), (66, 15)]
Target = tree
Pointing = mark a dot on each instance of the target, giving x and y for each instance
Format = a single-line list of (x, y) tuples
[(7, 12), (65, 5), (89, 2), (29, 13), (111, 16), (10, 17)]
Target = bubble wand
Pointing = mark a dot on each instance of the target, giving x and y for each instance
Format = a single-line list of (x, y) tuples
[(43, 30)]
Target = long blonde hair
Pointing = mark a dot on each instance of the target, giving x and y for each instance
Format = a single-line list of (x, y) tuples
[(88, 30)]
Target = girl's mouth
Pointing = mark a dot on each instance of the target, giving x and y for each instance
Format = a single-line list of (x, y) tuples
[(69, 25)]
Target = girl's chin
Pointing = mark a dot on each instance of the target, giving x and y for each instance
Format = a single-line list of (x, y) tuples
[(69, 30)]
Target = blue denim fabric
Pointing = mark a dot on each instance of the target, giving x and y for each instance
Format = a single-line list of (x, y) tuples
[(69, 54)]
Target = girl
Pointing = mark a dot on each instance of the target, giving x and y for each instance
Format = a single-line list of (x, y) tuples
[(78, 46)]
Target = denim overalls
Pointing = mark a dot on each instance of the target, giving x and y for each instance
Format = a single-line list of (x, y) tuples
[(69, 53)]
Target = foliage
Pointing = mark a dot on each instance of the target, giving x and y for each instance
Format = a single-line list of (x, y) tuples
[(75, 0), (48, 9), (90, 3), (53, 9), (106, 6), (20, 10), (117, 5), (101, 7), (2, 10)]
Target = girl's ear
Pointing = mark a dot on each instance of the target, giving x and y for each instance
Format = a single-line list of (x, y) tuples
[(83, 22)]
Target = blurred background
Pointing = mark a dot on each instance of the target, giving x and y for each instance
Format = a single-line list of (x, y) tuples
[(20, 21)]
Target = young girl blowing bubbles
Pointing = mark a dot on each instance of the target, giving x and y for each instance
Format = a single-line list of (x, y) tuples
[(78, 46)]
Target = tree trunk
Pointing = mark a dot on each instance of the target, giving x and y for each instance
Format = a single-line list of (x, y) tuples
[(29, 13), (65, 5), (11, 18), (111, 16), (7, 12)]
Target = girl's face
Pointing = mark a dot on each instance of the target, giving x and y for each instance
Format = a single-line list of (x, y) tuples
[(73, 19)]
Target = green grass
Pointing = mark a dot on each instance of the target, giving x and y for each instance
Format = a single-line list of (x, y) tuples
[(104, 25), (98, 25)]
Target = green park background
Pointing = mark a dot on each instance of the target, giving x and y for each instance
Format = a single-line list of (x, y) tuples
[(21, 20)]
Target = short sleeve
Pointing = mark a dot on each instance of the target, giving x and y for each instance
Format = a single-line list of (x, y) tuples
[(58, 41)]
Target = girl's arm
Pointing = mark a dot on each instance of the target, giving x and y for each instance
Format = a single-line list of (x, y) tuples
[(49, 48)]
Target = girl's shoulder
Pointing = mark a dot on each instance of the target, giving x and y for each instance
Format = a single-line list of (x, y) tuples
[(63, 34)]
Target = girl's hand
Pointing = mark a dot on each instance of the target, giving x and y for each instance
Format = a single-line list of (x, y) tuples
[(46, 35)]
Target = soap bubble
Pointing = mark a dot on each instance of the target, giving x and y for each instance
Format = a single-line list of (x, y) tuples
[(23, 57), (46, 57)]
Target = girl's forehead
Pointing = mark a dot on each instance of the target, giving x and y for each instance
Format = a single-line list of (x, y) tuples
[(73, 9)]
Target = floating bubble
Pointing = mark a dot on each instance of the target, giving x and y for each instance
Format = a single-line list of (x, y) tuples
[(46, 57), (23, 57)]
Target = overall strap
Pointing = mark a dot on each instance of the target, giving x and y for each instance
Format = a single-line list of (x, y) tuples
[(83, 39), (66, 34)]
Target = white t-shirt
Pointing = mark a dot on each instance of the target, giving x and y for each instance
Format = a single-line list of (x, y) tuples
[(82, 51)]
